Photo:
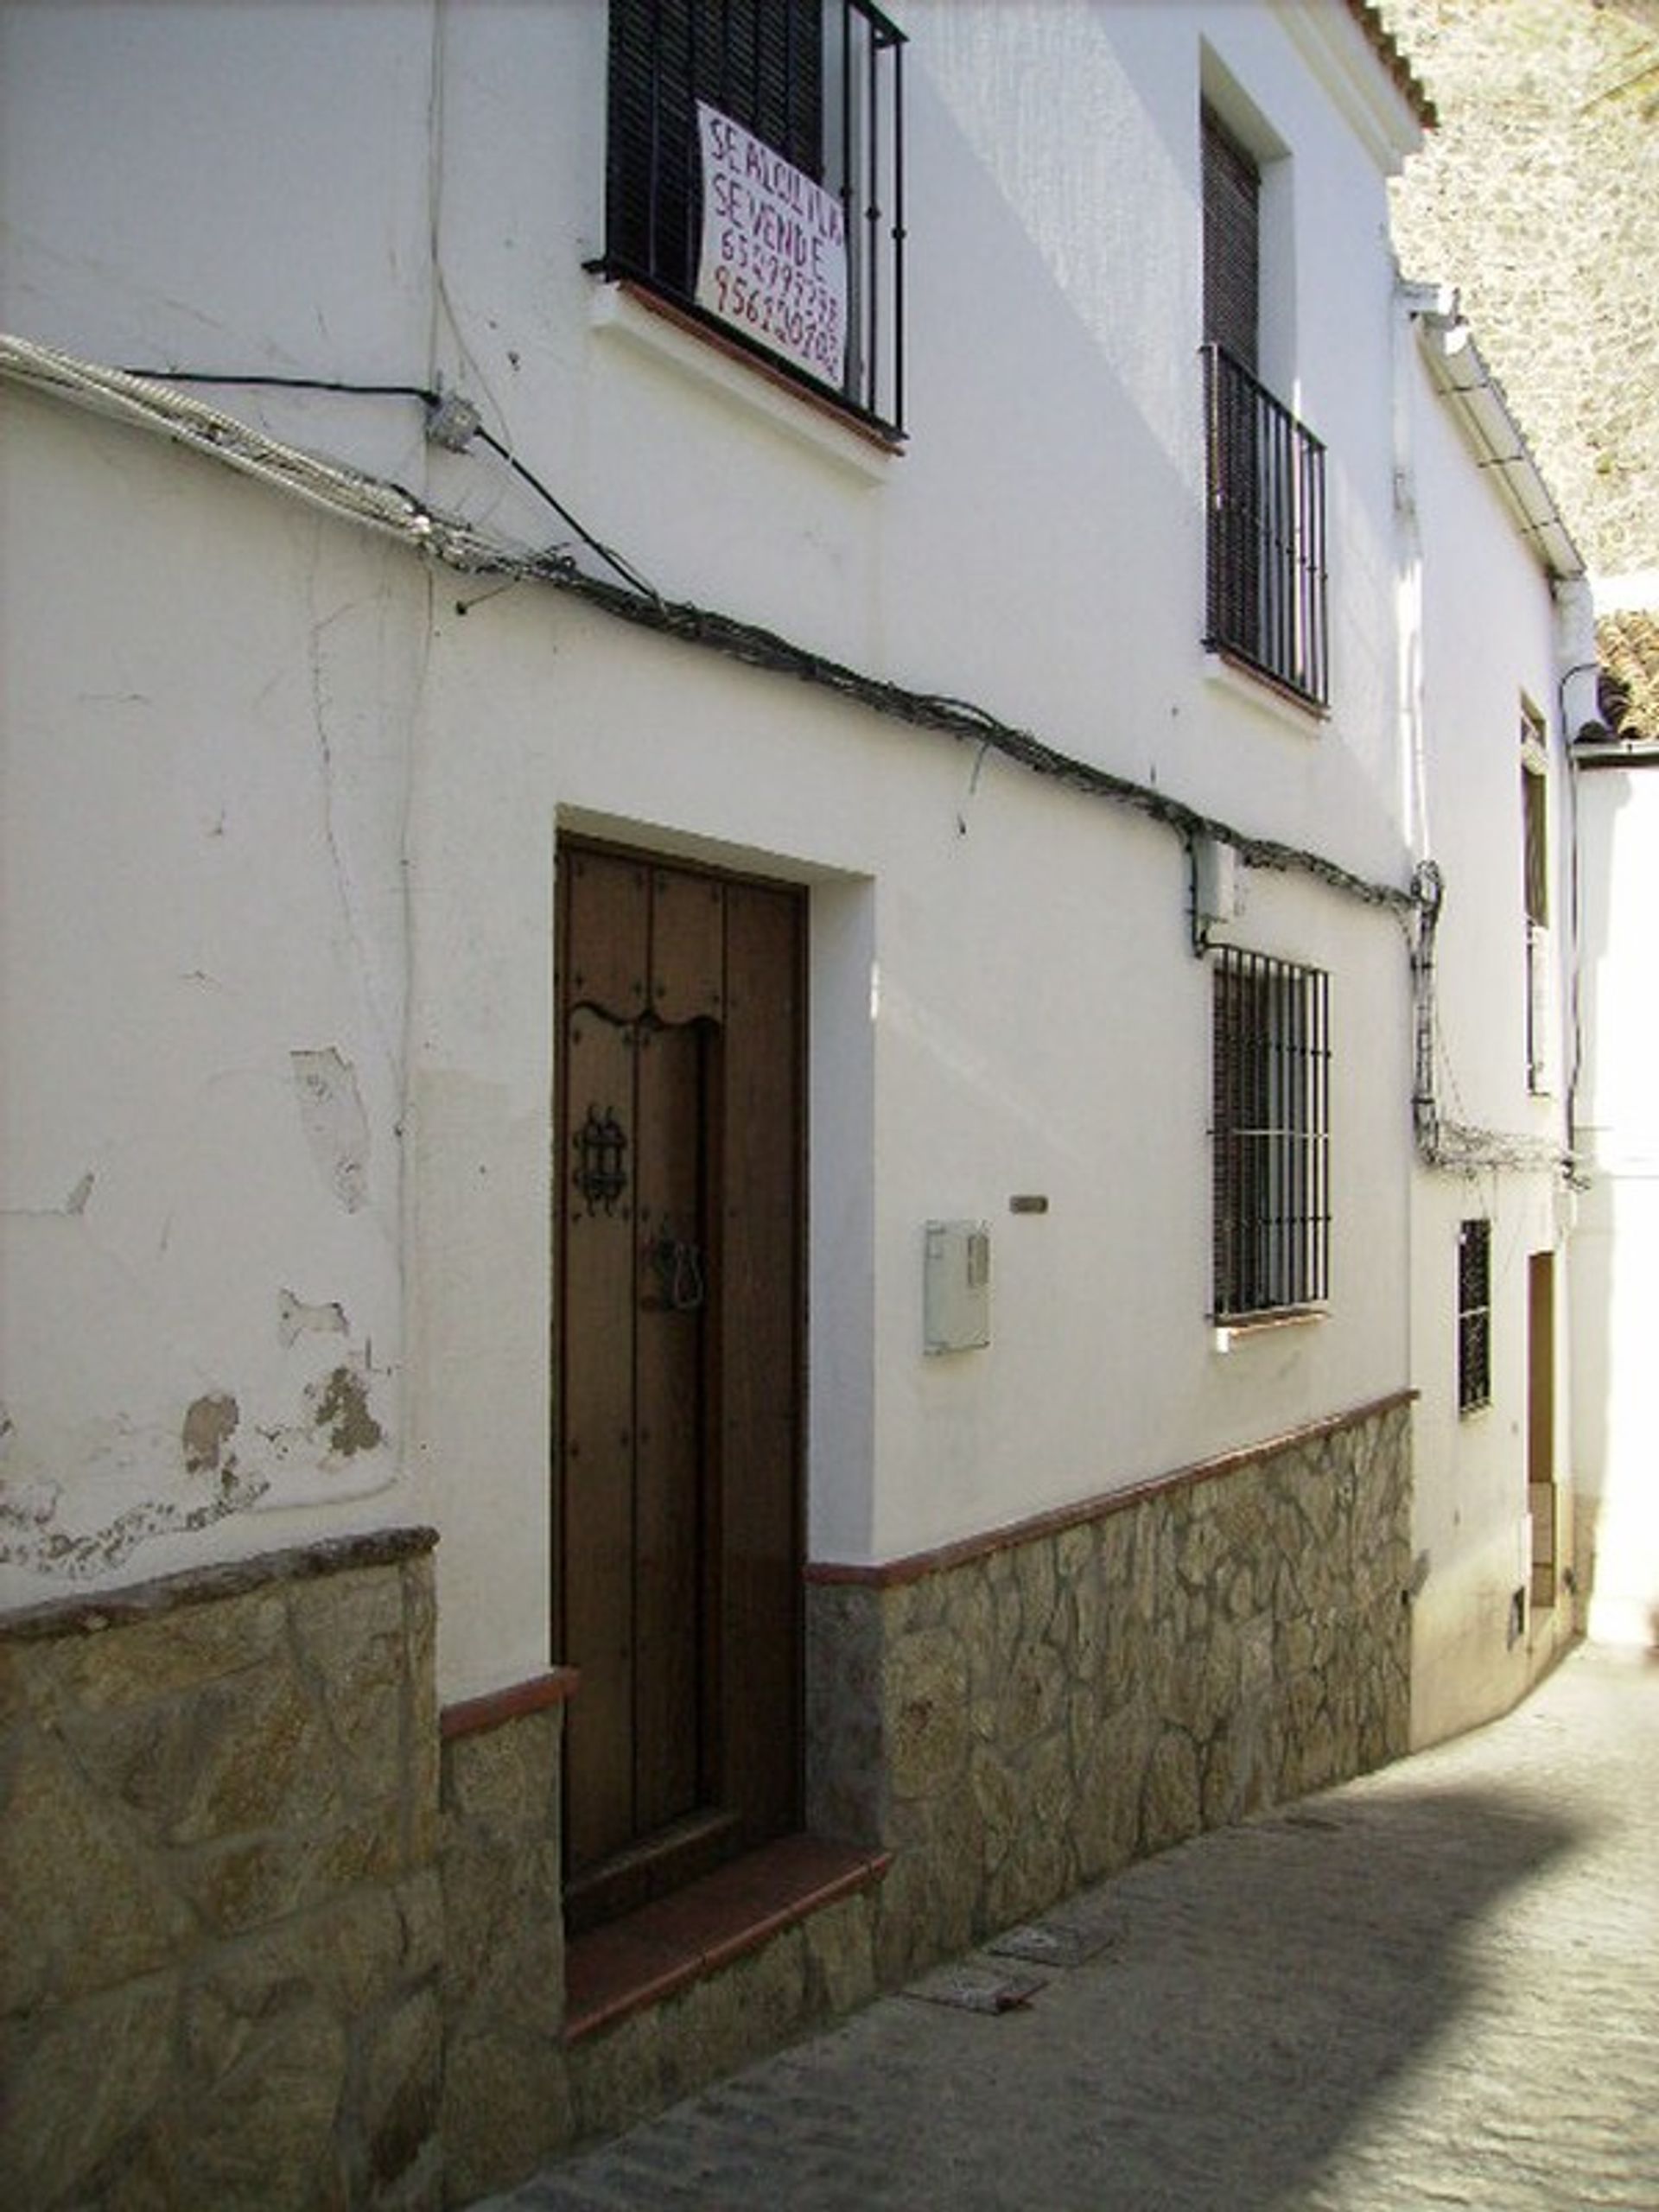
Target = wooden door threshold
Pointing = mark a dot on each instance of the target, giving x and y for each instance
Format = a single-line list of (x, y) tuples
[(660, 1867), (640, 1960)]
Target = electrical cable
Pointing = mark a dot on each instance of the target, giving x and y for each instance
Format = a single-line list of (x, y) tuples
[(1442, 1143), (455, 541), (382, 505), (434, 403), (264, 381), (629, 574)]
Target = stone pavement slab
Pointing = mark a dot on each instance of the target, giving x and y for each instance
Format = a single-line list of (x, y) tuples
[(1436, 1986)]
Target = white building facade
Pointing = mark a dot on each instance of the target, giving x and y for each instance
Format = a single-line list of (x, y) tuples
[(735, 910), (1616, 1245), (1499, 664)]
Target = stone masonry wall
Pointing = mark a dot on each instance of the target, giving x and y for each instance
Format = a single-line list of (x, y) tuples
[(1018, 1721), (1538, 196), (218, 1806), (507, 2091), (257, 1957), (806, 1974)]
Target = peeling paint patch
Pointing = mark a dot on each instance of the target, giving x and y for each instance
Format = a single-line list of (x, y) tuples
[(54, 1551), (341, 1406), (209, 1425), (295, 1319), (336, 1128), (29, 1506)]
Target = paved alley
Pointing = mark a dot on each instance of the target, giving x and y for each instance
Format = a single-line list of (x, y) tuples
[(1436, 1985)]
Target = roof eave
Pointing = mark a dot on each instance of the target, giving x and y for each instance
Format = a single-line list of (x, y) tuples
[(1488, 422), (1351, 53)]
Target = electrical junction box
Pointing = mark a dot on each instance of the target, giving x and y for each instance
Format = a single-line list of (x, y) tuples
[(1216, 891), (957, 1287)]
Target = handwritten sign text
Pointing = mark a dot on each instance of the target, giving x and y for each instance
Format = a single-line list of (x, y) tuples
[(774, 249)]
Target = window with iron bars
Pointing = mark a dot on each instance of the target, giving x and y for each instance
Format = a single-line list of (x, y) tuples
[(1265, 604), (818, 83), (1474, 1315), (1271, 1132)]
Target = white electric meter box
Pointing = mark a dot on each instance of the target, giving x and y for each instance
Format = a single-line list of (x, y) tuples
[(1216, 886), (957, 1285)]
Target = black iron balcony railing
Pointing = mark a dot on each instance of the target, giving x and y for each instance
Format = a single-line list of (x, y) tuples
[(1266, 594), (803, 261)]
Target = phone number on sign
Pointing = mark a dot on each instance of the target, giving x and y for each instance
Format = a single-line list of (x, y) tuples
[(770, 297)]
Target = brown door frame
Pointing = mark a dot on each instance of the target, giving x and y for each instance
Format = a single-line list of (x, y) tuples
[(751, 1632)]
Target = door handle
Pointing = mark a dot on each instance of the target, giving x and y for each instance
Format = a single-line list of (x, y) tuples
[(681, 1274)]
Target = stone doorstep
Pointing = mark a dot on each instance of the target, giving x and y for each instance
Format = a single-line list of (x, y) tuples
[(641, 1959)]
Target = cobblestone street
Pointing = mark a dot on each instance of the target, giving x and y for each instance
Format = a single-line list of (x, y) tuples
[(1436, 1985)]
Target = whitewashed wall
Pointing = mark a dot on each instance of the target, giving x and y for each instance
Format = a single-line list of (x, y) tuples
[(207, 695), (1616, 1251), (1005, 999), (1485, 632), (1004, 995), (1038, 547)]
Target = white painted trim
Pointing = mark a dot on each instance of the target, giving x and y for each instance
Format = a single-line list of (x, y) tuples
[(616, 316)]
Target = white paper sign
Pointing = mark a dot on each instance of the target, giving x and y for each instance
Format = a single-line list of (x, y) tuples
[(774, 249)]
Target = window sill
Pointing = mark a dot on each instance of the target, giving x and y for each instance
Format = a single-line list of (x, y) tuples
[(1227, 1334), (625, 312), (1240, 681)]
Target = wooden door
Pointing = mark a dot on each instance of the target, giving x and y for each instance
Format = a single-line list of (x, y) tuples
[(1541, 1495), (678, 1421)]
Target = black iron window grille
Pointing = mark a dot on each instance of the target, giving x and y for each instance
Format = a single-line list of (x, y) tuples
[(1474, 1315), (1271, 1135), (787, 234), (1266, 552)]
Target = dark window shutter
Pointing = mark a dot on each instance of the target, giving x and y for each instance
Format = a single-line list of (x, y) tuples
[(759, 61), (1232, 267), (768, 74), (1474, 1314), (1534, 800)]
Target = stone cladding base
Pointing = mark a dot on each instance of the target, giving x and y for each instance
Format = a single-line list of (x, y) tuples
[(281, 1935), (506, 2094), (1019, 1717), (219, 1984)]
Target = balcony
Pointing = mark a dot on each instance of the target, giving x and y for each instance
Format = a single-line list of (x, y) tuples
[(755, 184), (1266, 533)]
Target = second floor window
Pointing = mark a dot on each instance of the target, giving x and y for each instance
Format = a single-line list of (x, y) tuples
[(754, 177), (1271, 1077), (1265, 471), (1534, 831)]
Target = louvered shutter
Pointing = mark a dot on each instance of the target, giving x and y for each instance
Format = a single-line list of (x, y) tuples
[(1232, 266), (759, 61)]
